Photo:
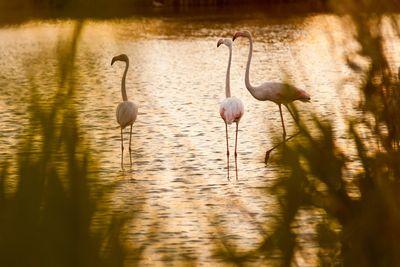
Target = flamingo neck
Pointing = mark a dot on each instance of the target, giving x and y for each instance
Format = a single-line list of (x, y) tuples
[(123, 89), (228, 75), (247, 76)]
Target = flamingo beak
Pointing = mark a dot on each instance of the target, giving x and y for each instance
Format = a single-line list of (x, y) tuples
[(236, 36), (305, 97), (113, 60), (220, 42)]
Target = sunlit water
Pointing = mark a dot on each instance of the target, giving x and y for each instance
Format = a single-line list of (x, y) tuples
[(177, 77)]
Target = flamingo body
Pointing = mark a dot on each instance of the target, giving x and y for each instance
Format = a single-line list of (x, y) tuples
[(279, 93), (231, 110), (126, 113)]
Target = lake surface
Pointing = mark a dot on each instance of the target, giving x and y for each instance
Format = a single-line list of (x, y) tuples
[(177, 77)]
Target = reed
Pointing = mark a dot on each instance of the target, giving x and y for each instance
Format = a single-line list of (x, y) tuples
[(359, 207), (48, 211)]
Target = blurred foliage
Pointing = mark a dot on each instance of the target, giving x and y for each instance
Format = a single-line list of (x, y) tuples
[(360, 206), (65, 3), (48, 211), (19, 11)]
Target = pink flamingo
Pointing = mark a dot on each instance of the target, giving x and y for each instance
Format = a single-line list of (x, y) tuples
[(231, 109), (127, 111), (279, 93)]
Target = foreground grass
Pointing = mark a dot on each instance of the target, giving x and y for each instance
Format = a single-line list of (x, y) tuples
[(47, 216)]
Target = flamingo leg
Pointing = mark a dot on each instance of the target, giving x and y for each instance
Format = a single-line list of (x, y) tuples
[(292, 114), (237, 127), (130, 150), (227, 149), (267, 154), (283, 124), (122, 150)]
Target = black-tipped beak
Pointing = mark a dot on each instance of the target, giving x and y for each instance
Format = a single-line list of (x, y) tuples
[(112, 61), (219, 43), (235, 36), (306, 99)]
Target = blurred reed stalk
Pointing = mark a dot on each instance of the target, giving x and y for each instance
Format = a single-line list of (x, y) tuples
[(361, 225), (48, 218)]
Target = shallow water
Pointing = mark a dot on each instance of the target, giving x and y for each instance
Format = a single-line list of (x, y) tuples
[(177, 77)]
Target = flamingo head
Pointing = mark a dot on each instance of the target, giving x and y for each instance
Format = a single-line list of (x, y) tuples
[(246, 34), (121, 57), (304, 96), (226, 42)]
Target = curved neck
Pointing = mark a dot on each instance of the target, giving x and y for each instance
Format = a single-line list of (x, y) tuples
[(247, 76), (123, 90), (228, 75)]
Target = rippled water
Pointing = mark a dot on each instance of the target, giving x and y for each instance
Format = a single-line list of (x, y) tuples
[(177, 78)]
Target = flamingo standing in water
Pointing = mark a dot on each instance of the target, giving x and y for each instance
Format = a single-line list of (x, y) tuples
[(279, 93), (231, 109), (126, 110)]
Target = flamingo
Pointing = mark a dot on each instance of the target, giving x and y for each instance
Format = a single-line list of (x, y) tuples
[(231, 108), (279, 93), (127, 111)]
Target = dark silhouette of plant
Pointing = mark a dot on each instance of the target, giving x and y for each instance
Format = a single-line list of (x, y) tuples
[(360, 206), (47, 212)]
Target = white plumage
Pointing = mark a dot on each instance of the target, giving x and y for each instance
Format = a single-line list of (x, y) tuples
[(231, 109), (127, 111)]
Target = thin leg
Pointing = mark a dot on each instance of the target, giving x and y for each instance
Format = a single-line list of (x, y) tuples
[(227, 149), (122, 150), (267, 154), (130, 150), (291, 113), (283, 124), (237, 127)]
